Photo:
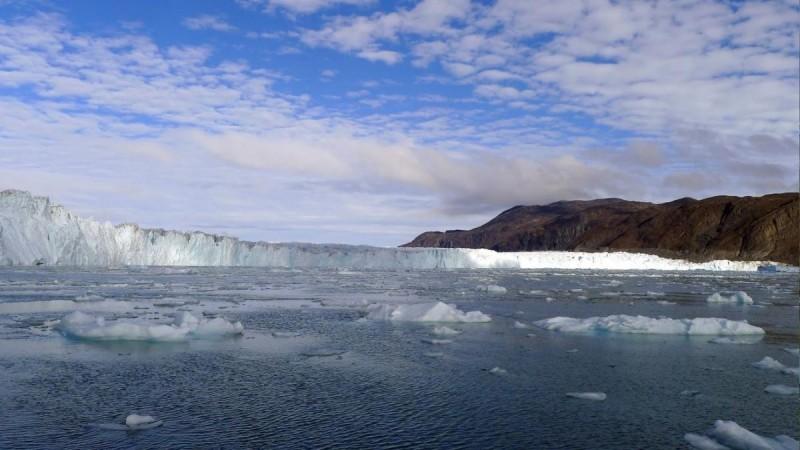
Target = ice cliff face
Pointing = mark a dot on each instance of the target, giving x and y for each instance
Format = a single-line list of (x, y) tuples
[(35, 231)]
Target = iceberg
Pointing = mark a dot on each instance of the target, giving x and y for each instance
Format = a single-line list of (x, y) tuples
[(727, 434), (739, 298), (424, 312), (185, 326), (596, 396), (34, 231), (647, 325), (782, 389)]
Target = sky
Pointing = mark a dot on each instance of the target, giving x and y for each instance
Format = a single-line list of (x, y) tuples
[(368, 121)]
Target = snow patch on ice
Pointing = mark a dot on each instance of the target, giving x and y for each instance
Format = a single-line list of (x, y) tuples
[(739, 298), (424, 312), (647, 325), (185, 326)]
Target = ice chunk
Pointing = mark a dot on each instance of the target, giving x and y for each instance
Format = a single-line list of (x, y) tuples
[(596, 396), (492, 289), (782, 389), (518, 324), (186, 326), (498, 371), (433, 354), (731, 435), (690, 393), (443, 330), (740, 298), (424, 312), (285, 334), (647, 325), (703, 442), (136, 420), (768, 363), (665, 302), (793, 350), (438, 341)]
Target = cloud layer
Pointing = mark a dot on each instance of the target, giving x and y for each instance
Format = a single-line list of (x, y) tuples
[(492, 105)]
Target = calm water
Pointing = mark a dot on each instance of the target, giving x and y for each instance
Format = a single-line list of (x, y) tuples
[(341, 382)]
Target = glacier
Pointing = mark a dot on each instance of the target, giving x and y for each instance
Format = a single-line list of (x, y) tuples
[(35, 231)]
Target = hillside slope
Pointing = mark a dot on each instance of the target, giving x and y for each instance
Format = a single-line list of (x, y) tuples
[(724, 227)]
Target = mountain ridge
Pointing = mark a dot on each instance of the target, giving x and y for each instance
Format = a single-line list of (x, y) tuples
[(721, 227)]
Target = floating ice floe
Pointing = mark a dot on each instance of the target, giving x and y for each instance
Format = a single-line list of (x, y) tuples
[(285, 334), (185, 326), (438, 341), (794, 351), (518, 324), (424, 312), (498, 371), (443, 330), (768, 363), (622, 323), (782, 389), (744, 340), (739, 298), (596, 396), (133, 422), (727, 434), (690, 393), (491, 289)]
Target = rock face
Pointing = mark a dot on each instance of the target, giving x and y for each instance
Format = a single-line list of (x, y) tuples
[(737, 228)]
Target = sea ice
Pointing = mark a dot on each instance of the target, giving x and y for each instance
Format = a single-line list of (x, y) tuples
[(739, 298), (768, 363), (424, 312), (498, 371), (597, 396), (648, 325), (492, 289), (443, 330), (727, 434), (518, 324), (782, 389), (185, 326), (438, 341)]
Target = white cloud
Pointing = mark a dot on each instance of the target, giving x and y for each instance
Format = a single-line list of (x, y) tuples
[(299, 6), (207, 22)]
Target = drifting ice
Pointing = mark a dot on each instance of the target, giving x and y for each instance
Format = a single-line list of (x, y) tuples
[(782, 389), (648, 325), (424, 312), (35, 231), (185, 326), (727, 434), (596, 396), (740, 298)]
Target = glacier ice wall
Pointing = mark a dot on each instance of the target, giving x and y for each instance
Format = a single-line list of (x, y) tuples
[(35, 231)]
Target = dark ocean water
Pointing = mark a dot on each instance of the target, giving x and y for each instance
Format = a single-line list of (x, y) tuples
[(340, 381)]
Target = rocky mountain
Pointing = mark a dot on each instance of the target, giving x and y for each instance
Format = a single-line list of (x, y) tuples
[(724, 227)]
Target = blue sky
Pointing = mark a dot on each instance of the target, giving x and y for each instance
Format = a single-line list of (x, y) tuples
[(363, 121)]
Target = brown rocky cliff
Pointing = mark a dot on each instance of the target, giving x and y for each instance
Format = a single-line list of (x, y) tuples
[(724, 227)]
